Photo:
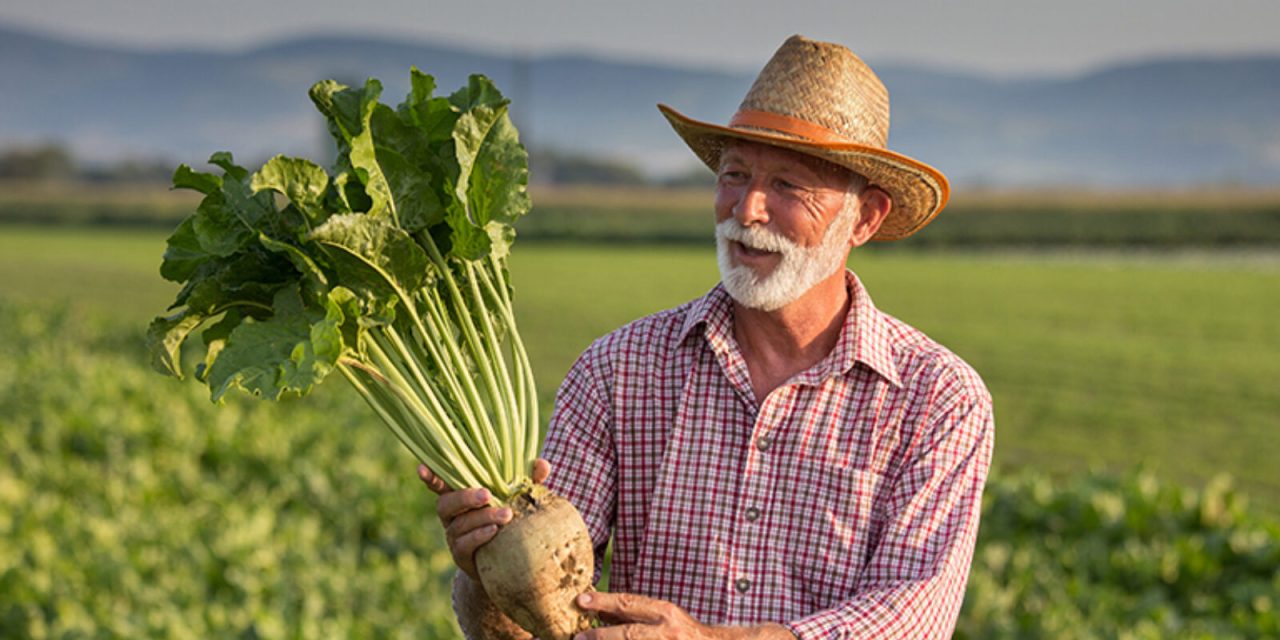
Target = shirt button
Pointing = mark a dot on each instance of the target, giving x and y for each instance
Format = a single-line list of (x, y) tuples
[(752, 514), (762, 443), (742, 585)]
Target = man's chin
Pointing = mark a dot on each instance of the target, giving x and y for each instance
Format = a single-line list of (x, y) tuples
[(774, 291), (760, 274), (751, 290)]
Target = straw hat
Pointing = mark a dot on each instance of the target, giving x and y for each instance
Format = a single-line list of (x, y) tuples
[(822, 100)]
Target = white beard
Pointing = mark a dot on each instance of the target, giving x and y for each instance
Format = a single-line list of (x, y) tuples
[(799, 270)]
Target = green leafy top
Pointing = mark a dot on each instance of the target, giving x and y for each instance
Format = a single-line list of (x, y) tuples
[(390, 266), (450, 167)]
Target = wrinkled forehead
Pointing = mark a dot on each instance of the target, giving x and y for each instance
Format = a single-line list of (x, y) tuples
[(747, 150)]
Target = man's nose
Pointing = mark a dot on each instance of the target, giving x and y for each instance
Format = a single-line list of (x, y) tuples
[(752, 207)]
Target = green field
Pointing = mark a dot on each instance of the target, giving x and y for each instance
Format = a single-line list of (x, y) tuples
[(131, 506), (1095, 361)]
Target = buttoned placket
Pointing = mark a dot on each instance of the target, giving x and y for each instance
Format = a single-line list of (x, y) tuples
[(750, 536)]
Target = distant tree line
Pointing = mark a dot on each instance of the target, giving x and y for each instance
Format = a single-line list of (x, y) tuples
[(53, 162), (42, 162), (550, 166)]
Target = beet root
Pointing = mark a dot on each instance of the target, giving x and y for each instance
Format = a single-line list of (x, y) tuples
[(536, 566)]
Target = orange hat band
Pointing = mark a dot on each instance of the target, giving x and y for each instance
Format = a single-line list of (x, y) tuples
[(788, 125)]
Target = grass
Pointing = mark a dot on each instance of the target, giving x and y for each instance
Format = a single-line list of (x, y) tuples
[(1108, 362), (1095, 360)]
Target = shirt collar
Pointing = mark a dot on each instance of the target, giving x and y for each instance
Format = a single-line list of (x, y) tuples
[(864, 338)]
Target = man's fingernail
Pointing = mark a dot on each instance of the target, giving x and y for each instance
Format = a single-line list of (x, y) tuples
[(504, 514), (484, 495), (584, 599)]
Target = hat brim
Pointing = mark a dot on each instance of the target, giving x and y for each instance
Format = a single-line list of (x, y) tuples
[(918, 190)]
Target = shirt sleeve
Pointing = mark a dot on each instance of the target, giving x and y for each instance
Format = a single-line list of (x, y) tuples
[(913, 585), (579, 446)]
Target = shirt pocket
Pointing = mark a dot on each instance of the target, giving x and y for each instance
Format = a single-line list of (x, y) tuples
[(834, 528)]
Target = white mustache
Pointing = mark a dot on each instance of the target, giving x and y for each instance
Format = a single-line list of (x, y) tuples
[(754, 237)]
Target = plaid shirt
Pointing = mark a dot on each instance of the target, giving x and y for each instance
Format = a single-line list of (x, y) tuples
[(845, 504)]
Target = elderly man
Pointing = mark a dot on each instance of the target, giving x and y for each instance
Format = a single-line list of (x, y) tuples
[(777, 458)]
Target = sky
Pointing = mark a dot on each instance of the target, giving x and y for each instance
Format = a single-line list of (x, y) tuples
[(1001, 38)]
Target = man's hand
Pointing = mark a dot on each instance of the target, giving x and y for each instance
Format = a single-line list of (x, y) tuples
[(467, 518), (639, 618)]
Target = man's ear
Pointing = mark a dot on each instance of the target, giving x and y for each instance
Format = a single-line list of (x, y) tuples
[(873, 207)]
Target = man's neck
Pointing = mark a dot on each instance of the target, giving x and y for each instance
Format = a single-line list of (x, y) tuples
[(779, 344)]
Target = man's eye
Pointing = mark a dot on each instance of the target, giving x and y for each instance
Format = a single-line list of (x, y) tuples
[(786, 185)]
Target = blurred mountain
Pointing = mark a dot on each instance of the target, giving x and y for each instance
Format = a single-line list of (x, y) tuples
[(1160, 122)]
